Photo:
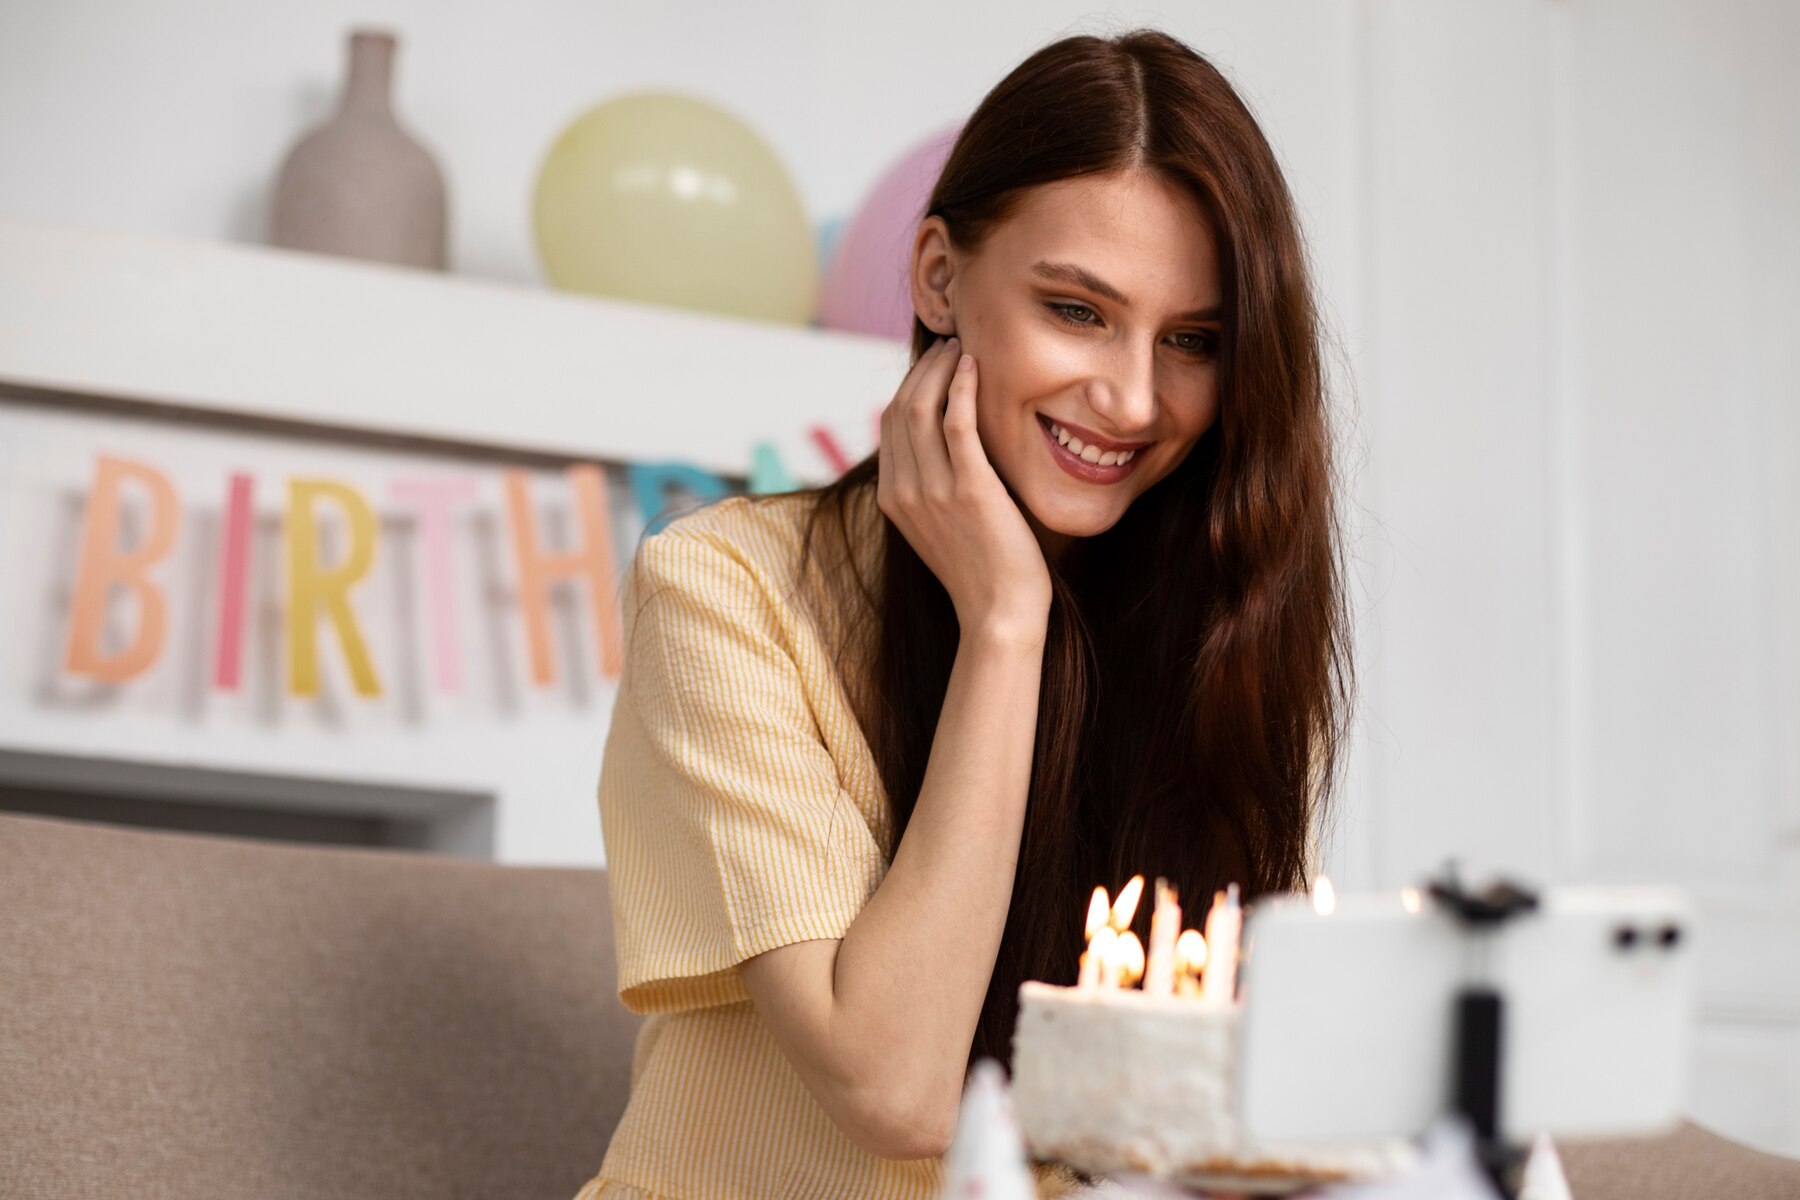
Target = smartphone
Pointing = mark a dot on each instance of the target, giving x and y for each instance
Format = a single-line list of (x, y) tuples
[(1349, 1026)]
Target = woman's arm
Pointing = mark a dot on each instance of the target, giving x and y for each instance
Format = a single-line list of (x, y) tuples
[(879, 1024)]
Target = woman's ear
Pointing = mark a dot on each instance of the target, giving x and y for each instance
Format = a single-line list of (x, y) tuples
[(932, 277)]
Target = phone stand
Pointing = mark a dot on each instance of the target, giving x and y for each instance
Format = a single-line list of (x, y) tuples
[(1480, 1017)]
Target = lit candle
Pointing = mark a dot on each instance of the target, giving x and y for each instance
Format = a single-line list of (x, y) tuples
[(1125, 907), (1165, 928), (1089, 979), (1324, 896), (1099, 909), (1093, 966), (1190, 960), (1410, 899), (1099, 968), (1127, 959), (1224, 925)]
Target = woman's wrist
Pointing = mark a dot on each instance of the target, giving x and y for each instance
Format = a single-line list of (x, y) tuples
[(1024, 629)]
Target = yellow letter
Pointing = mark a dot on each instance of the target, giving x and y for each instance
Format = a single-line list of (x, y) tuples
[(309, 585)]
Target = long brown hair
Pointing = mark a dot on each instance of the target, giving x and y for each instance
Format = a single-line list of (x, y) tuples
[(1197, 677)]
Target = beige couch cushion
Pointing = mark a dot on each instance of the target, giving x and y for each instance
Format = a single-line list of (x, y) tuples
[(1693, 1163), (193, 1016)]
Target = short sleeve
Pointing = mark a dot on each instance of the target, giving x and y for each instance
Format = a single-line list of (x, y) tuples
[(727, 829)]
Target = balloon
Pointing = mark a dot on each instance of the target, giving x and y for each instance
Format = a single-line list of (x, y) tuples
[(661, 197), (865, 287)]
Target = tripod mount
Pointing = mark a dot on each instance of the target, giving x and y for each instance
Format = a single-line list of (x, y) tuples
[(1480, 1017)]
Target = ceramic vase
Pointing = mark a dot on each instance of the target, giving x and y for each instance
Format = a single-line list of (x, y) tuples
[(359, 185)]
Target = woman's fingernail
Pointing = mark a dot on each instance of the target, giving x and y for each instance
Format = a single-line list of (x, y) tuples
[(965, 362)]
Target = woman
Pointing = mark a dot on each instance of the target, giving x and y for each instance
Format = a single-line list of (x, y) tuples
[(876, 742)]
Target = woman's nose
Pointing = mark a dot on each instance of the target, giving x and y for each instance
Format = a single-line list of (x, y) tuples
[(1125, 395)]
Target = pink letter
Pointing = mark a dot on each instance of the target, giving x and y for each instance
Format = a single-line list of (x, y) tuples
[(828, 446), (234, 571), (434, 498)]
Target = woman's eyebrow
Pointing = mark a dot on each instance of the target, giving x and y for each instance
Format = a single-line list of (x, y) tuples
[(1082, 277)]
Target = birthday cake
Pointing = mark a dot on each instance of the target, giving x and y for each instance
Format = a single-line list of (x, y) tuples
[(1108, 1078)]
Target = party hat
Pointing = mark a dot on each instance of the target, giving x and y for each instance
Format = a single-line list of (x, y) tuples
[(1544, 1178), (987, 1156)]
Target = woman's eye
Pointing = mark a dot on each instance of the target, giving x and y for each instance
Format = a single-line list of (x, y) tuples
[(1063, 311), (1201, 343)]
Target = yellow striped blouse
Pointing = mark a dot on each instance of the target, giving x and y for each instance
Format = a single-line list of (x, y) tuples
[(742, 810)]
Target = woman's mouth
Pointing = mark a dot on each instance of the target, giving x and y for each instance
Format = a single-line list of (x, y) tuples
[(1086, 463)]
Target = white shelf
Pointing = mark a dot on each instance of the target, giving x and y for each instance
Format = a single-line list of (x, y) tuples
[(318, 341)]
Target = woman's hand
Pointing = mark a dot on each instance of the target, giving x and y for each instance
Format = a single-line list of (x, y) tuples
[(938, 487)]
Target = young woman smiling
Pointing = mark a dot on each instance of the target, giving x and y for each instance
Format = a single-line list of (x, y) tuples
[(1079, 617)]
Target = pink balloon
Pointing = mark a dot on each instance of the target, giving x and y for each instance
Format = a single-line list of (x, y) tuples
[(865, 288)]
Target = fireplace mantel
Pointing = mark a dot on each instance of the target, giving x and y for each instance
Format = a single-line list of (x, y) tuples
[(282, 337)]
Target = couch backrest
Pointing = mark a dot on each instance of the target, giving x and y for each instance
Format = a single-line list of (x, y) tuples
[(196, 1016)]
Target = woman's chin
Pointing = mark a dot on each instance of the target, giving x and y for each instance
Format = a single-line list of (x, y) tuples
[(1074, 520)]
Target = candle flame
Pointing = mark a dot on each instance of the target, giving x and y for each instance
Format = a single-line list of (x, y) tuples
[(1410, 899), (1324, 896), (1128, 959), (1125, 907), (1190, 951), (1099, 908)]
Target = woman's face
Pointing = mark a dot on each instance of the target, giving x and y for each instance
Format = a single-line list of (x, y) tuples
[(1093, 311)]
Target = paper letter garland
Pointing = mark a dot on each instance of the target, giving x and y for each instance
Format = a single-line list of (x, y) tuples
[(537, 569), (102, 565), (315, 588), (310, 586), (434, 498), (234, 575), (651, 483)]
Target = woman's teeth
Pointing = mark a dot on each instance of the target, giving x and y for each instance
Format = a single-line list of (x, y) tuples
[(1092, 454)]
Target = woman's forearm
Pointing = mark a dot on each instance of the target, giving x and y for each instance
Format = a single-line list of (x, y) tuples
[(912, 972)]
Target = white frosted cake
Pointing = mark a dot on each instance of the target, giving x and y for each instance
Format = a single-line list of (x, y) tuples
[(1112, 1080)]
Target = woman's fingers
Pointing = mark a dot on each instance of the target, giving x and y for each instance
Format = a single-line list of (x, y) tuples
[(925, 422), (903, 482), (899, 478), (968, 460)]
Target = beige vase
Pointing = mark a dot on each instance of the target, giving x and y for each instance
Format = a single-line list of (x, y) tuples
[(360, 186)]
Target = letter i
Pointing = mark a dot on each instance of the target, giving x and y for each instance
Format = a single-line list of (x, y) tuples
[(234, 571)]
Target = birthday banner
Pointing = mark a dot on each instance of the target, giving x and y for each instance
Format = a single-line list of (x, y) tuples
[(316, 538), (319, 595)]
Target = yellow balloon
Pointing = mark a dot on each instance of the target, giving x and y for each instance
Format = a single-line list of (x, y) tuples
[(660, 197)]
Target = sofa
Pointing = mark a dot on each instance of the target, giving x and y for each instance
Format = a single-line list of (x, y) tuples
[(195, 1016)]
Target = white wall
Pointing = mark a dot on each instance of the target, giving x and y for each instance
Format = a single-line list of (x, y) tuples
[(1582, 273), (174, 117), (1557, 237)]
